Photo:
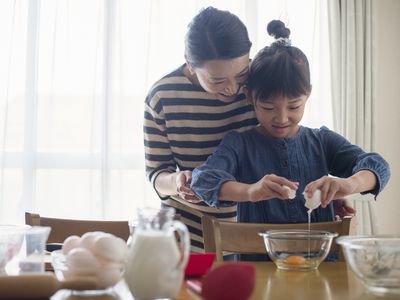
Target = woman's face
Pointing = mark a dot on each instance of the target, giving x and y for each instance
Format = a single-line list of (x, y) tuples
[(223, 78)]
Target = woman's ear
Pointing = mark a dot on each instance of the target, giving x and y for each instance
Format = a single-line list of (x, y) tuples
[(189, 66), (246, 91)]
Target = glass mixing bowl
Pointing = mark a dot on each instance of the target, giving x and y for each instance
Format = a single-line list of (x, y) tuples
[(297, 249), (375, 260)]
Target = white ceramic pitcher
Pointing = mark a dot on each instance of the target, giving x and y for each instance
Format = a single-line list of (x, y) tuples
[(156, 261)]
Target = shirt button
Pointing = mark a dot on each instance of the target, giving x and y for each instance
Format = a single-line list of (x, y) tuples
[(285, 163)]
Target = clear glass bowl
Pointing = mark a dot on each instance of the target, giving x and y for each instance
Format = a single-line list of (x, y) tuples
[(11, 238), (106, 278), (375, 260), (297, 249)]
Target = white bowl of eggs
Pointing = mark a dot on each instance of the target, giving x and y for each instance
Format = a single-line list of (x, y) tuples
[(97, 255)]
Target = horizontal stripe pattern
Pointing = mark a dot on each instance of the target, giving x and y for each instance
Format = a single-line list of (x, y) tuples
[(183, 125)]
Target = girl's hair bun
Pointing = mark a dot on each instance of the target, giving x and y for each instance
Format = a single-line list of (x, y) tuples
[(277, 29)]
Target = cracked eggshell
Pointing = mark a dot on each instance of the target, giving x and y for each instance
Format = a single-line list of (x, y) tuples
[(314, 201), (292, 193)]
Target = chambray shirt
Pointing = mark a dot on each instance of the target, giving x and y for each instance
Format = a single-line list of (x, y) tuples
[(312, 153)]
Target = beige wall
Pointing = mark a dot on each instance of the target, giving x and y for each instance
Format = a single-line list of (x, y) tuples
[(386, 72)]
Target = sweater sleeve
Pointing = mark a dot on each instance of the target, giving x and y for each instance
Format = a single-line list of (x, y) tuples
[(158, 155), (219, 168)]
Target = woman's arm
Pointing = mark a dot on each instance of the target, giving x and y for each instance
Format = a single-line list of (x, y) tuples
[(175, 183)]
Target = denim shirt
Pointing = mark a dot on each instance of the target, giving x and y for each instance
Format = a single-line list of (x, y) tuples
[(312, 153)]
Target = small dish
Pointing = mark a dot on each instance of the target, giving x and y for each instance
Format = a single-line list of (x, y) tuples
[(199, 264)]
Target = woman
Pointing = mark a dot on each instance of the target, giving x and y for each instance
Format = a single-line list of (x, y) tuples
[(189, 111)]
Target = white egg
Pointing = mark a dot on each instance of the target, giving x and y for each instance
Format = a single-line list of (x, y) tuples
[(314, 201), (110, 248), (81, 261), (108, 276), (70, 243), (292, 193), (87, 239)]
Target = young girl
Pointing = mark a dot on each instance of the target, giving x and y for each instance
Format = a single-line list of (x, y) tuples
[(251, 168)]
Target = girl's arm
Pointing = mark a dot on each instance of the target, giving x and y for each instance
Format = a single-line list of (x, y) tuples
[(334, 187), (268, 187)]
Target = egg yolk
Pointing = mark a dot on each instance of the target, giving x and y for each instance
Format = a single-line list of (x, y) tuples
[(295, 260)]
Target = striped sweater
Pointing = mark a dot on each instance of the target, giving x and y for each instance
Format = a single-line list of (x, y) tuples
[(183, 124)]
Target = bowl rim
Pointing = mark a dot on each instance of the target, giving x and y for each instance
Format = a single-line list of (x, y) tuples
[(359, 241), (297, 233), (13, 228)]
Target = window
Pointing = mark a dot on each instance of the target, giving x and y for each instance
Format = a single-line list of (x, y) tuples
[(74, 77)]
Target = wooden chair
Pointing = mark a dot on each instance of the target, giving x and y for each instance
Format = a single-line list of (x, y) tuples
[(63, 228), (220, 236)]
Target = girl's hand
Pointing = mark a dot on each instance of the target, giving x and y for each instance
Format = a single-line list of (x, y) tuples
[(271, 186), (331, 188), (183, 179)]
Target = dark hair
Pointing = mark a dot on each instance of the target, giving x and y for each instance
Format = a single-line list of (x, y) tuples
[(215, 34), (279, 69)]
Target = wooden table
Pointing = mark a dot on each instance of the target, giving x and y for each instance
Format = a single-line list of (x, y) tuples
[(331, 281)]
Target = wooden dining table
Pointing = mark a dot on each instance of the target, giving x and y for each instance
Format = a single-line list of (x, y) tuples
[(332, 280)]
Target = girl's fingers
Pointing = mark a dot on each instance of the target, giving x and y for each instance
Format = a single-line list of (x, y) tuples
[(331, 194), (279, 191), (283, 181)]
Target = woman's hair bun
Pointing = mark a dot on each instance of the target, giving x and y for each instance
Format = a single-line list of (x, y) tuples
[(277, 29)]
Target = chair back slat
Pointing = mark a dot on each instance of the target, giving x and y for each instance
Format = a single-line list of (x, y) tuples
[(63, 228), (226, 236)]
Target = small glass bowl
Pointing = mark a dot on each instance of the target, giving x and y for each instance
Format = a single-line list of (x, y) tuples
[(375, 260), (11, 238), (297, 249), (107, 277)]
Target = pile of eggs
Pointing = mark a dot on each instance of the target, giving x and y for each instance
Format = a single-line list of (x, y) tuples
[(95, 254)]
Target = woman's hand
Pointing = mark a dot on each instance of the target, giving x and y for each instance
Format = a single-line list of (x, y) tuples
[(182, 180), (342, 208), (331, 188), (269, 187)]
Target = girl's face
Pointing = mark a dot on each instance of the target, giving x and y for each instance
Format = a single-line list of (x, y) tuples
[(223, 78), (280, 116)]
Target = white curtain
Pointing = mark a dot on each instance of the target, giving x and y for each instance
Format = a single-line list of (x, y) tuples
[(73, 78), (351, 49)]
